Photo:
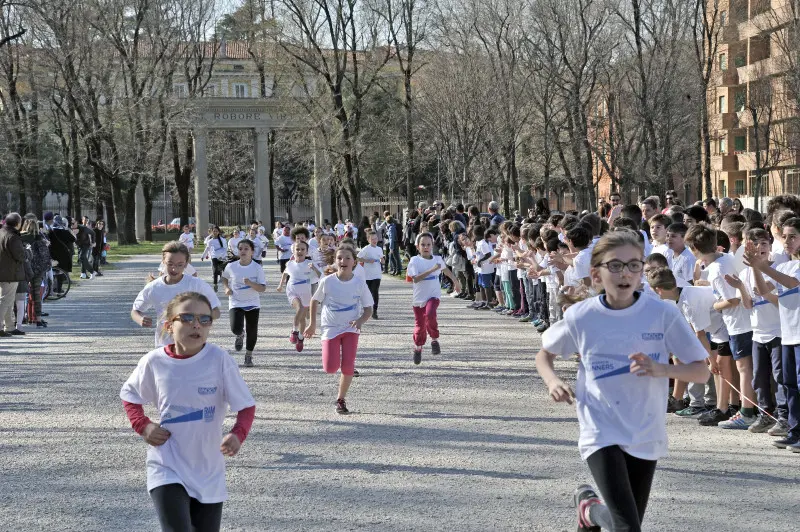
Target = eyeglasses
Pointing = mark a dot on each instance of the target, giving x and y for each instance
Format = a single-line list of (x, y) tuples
[(205, 320), (616, 266), (669, 198)]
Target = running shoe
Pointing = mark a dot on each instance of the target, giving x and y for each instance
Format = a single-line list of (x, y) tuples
[(435, 347), (738, 421), (469, 298), (375, 316), (83, 276), (90, 276), (712, 418), (780, 429), (732, 409), (794, 448), (537, 322), (41, 323), (484, 307), (543, 327), (356, 373), (417, 355), (763, 424), (299, 344), (248, 361), (783, 443), (674, 405), (4, 334), (239, 342), (294, 337), (693, 412), (525, 319), (341, 407), (582, 498), (16, 332), (215, 287), (98, 274)]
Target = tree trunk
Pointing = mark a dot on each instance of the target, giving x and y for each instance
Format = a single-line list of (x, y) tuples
[(148, 214), (706, 138), (271, 144), (409, 133), (76, 163), (108, 202)]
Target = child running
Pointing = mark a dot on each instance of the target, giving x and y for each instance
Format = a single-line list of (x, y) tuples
[(423, 271), (297, 279), (157, 293), (372, 257), (243, 281), (346, 307), (216, 251), (624, 341), (187, 238), (185, 459)]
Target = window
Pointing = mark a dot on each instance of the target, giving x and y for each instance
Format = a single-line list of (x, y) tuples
[(723, 62), (210, 91), (739, 143), (722, 108), (723, 189), (723, 146), (739, 61), (738, 187), (739, 101), (239, 90), (238, 67), (723, 21), (179, 90)]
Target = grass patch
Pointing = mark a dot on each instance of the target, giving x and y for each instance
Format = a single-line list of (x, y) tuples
[(142, 248)]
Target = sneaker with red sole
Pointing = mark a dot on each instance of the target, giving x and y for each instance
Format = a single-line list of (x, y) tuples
[(299, 344), (294, 337), (341, 407), (583, 498)]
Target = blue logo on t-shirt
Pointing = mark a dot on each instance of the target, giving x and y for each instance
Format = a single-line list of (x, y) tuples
[(208, 390), (652, 337)]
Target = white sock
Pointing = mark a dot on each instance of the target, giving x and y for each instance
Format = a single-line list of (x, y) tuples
[(20, 313)]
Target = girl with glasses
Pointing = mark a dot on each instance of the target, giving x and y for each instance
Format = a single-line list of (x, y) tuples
[(624, 341), (185, 457)]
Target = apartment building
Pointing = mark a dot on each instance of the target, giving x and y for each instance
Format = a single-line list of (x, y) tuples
[(752, 100)]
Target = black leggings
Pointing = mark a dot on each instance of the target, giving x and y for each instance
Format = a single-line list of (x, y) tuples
[(239, 317), (374, 286), (624, 483), (218, 266), (177, 512)]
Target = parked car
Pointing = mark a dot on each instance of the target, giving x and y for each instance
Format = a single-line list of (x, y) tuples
[(174, 225)]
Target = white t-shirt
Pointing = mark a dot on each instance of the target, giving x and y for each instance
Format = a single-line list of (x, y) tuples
[(188, 270), (372, 270), (258, 246), (696, 304), (789, 304), (187, 239), (429, 288), (233, 245), (243, 296), (738, 256), (216, 248), (485, 247), (615, 406), (660, 248), (284, 242), (156, 294), (192, 397), (301, 277), (765, 317), (277, 233), (737, 319), (339, 229), (582, 264), (342, 302), (681, 265)]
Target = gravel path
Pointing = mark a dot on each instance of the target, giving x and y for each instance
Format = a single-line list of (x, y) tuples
[(466, 441)]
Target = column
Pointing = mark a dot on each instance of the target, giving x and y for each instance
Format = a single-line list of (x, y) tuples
[(141, 223), (263, 194), (201, 209), (322, 189)]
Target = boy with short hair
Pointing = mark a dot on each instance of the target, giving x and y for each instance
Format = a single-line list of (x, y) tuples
[(658, 233), (695, 304), (680, 258), (734, 232), (702, 239)]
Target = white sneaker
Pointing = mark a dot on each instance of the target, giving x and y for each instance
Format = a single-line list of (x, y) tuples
[(739, 421), (91, 276), (83, 276)]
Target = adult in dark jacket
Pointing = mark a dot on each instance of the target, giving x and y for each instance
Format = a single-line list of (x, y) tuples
[(62, 248), (40, 264), (85, 238), (99, 242), (12, 271)]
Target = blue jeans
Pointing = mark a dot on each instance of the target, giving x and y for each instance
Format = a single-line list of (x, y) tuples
[(395, 265), (791, 368), (768, 364), (85, 256)]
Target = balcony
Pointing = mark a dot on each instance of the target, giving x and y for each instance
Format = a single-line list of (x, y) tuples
[(759, 69), (728, 78), (724, 163), (730, 121)]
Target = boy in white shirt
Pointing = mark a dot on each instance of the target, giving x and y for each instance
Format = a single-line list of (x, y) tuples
[(187, 238), (702, 239), (485, 269), (284, 246), (658, 233), (372, 258), (680, 258)]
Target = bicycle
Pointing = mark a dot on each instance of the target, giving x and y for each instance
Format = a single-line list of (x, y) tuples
[(65, 283)]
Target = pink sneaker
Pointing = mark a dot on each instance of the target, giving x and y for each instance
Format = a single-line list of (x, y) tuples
[(299, 344), (294, 337)]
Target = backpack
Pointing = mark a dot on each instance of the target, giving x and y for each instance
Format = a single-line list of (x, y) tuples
[(39, 256)]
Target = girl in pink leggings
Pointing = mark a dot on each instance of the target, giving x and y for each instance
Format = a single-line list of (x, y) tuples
[(346, 305), (423, 270)]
